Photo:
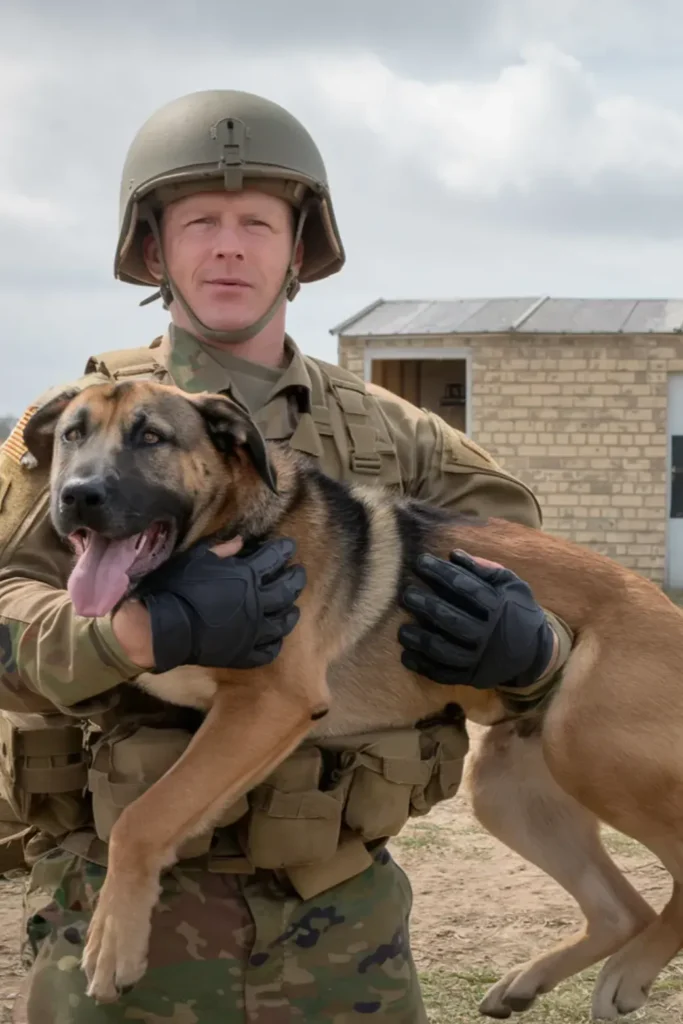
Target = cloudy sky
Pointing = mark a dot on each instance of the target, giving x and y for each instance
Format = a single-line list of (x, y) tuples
[(475, 148)]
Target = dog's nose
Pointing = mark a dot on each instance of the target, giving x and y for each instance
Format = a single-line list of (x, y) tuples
[(82, 495)]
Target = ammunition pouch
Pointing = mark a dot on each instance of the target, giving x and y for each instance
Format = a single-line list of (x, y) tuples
[(125, 763), (367, 785), (292, 821), (398, 774), (43, 772)]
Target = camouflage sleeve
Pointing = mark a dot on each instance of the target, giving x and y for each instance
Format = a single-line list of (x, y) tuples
[(49, 657), (449, 470)]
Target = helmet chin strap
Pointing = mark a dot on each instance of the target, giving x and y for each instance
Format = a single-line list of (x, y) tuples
[(169, 291)]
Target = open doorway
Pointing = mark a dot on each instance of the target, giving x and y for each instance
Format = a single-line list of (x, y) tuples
[(439, 385)]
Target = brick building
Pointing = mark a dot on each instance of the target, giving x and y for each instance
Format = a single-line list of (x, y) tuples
[(582, 399)]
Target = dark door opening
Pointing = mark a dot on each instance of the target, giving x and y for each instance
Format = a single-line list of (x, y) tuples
[(439, 385)]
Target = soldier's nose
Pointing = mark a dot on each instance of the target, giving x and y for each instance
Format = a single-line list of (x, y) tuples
[(85, 494)]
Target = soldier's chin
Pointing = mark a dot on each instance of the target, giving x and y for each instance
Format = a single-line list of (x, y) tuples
[(223, 318)]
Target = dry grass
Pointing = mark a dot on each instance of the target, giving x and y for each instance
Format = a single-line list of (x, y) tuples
[(452, 998)]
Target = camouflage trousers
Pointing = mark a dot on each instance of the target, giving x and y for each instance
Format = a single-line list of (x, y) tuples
[(229, 949)]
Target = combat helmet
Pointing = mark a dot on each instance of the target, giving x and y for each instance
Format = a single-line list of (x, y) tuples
[(225, 139)]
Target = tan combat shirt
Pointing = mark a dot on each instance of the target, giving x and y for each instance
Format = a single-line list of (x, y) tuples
[(51, 657)]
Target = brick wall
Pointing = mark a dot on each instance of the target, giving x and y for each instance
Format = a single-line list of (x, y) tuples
[(583, 421)]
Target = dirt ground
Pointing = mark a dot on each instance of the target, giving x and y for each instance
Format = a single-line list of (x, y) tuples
[(478, 911), (10, 966)]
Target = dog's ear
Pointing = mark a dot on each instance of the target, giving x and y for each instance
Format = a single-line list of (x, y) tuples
[(39, 430), (230, 427)]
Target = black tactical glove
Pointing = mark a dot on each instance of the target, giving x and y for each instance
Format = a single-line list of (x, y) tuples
[(479, 626), (223, 612)]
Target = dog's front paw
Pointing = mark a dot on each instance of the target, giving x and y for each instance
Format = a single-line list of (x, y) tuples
[(115, 954)]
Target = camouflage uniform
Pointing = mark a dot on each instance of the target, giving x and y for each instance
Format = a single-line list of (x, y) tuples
[(230, 941)]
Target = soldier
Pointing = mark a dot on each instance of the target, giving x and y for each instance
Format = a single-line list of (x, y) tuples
[(225, 207)]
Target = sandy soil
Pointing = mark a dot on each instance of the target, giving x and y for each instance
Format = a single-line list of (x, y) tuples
[(10, 965), (480, 910)]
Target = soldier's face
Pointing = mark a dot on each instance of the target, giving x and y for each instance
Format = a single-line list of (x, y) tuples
[(228, 255)]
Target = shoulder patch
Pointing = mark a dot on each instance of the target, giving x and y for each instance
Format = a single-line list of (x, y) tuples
[(13, 447), (24, 495), (461, 453)]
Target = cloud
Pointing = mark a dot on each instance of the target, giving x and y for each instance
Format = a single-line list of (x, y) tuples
[(29, 210), (539, 127), (432, 39)]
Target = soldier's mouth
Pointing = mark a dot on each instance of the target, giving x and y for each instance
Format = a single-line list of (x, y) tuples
[(106, 568)]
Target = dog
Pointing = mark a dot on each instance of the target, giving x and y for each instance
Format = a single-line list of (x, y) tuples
[(172, 469)]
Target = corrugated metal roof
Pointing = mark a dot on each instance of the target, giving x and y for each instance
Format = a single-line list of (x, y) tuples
[(662, 315), (527, 315)]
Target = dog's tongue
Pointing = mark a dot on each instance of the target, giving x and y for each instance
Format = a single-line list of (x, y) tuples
[(100, 577)]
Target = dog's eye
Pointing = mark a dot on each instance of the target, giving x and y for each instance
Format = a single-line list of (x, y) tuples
[(151, 437), (73, 434)]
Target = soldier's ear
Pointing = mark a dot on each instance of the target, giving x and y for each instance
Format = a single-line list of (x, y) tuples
[(230, 427), (39, 430)]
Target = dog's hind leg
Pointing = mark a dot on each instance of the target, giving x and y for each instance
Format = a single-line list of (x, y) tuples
[(624, 982), (516, 799)]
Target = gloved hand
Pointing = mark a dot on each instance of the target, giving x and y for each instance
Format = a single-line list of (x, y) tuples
[(223, 612), (478, 626)]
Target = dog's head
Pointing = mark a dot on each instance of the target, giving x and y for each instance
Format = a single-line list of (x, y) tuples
[(138, 470)]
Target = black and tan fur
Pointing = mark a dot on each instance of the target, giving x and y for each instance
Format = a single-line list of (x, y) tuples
[(605, 749)]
